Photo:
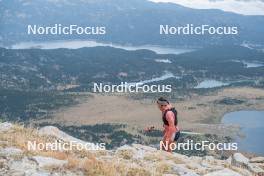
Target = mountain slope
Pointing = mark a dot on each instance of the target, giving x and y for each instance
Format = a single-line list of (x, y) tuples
[(133, 21), (17, 159)]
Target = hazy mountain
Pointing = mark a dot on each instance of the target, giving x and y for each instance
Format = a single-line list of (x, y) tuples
[(130, 21), (245, 7)]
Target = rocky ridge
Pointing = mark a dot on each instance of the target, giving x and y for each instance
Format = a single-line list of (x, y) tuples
[(16, 159)]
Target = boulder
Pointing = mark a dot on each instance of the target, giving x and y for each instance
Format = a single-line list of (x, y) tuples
[(255, 169), (209, 159), (48, 161), (259, 159), (22, 167), (223, 172), (5, 126), (240, 160), (211, 166), (229, 160), (54, 131), (29, 167), (10, 151), (182, 170)]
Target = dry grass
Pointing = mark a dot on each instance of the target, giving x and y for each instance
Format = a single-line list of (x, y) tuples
[(73, 163), (176, 160), (120, 164), (55, 154), (138, 172), (163, 168), (153, 157), (125, 154), (19, 136), (85, 161), (94, 167)]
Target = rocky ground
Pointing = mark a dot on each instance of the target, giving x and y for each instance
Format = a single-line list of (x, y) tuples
[(134, 160)]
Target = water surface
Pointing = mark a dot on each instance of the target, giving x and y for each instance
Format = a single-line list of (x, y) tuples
[(252, 64), (210, 84), (165, 76), (252, 129), (81, 43)]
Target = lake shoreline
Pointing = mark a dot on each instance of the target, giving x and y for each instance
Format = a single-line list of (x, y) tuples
[(75, 44), (251, 124)]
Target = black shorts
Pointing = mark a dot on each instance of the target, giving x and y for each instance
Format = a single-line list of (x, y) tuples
[(177, 135)]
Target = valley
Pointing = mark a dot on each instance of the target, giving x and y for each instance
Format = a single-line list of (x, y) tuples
[(198, 113), (131, 88), (54, 87)]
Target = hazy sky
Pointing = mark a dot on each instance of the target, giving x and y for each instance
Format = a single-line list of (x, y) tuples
[(246, 7)]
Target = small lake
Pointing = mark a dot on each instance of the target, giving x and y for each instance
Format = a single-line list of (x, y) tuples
[(165, 76), (252, 64), (75, 44), (167, 61), (252, 129), (210, 84)]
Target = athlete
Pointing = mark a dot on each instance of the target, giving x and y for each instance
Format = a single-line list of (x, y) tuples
[(171, 132)]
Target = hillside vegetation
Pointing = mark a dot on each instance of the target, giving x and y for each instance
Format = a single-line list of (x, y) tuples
[(140, 160)]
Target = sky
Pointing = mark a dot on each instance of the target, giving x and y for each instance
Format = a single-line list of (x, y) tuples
[(245, 7)]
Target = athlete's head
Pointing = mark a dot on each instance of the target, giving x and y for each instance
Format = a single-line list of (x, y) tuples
[(163, 103)]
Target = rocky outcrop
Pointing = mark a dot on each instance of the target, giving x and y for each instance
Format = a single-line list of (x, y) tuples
[(13, 162), (241, 161), (224, 172), (188, 166), (5, 126), (257, 160), (133, 159), (10, 151), (54, 131), (48, 161)]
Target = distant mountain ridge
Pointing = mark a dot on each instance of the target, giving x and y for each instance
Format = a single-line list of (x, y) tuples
[(127, 22)]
